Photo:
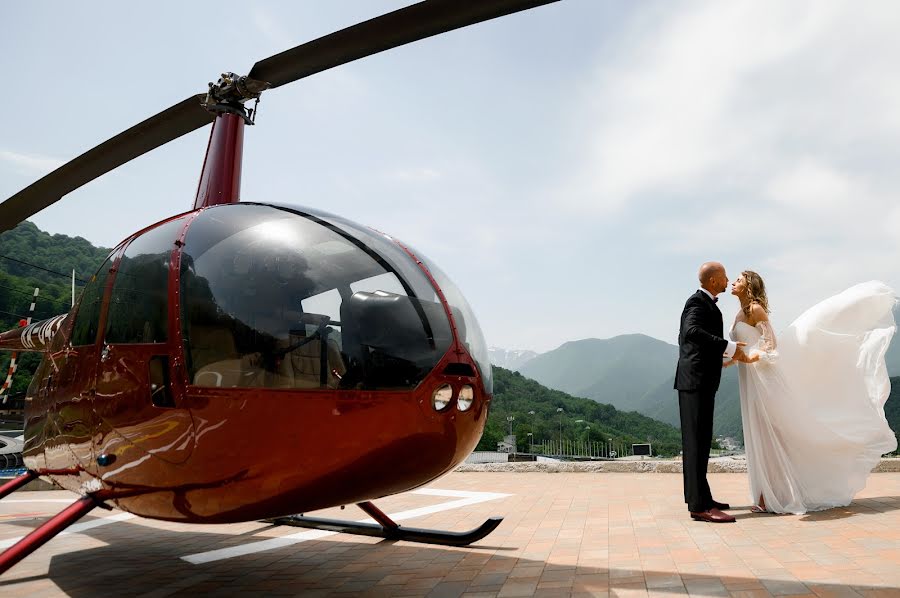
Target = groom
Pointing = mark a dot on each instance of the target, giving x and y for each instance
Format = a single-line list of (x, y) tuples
[(701, 348)]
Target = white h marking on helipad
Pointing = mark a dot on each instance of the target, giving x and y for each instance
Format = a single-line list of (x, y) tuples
[(466, 498), (74, 529)]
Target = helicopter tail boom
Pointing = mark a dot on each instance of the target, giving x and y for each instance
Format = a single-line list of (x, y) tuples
[(35, 337)]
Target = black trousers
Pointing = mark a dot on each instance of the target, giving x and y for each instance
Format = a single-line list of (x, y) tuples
[(697, 408)]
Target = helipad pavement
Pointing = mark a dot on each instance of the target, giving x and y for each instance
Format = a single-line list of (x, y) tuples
[(611, 534)]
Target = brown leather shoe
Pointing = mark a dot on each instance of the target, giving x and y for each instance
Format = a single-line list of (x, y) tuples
[(713, 515)]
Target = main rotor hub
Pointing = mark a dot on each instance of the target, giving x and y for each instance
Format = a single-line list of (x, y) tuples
[(229, 93)]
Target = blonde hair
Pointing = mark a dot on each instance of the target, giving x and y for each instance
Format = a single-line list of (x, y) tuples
[(756, 290)]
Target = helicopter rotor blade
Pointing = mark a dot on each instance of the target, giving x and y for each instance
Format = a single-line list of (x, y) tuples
[(170, 124), (391, 30), (403, 26)]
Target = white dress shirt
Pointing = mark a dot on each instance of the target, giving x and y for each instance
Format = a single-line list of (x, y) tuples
[(732, 346)]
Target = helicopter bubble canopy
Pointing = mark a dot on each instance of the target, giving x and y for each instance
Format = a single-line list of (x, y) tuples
[(466, 323), (281, 297), (467, 326)]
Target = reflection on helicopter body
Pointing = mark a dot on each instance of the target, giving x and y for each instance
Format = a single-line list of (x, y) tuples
[(339, 365), (290, 303)]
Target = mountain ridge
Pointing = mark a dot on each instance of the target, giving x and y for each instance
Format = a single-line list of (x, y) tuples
[(648, 368), (548, 414), (511, 359), (618, 371)]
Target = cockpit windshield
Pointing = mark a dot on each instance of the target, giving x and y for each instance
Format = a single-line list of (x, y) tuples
[(466, 323), (467, 327), (275, 298)]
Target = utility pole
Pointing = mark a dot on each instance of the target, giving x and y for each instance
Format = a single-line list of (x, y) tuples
[(559, 410)]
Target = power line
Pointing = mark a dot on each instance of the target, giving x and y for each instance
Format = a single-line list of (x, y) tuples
[(9, 313), (20, 291), (43, 300), (56, 305), (69, 276)]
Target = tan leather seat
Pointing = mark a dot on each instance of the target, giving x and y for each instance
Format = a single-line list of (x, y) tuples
[(210, 344), (217, 362), (302, 367), (225, 373)]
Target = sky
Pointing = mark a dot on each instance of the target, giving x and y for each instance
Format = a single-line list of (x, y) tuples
[(569, 167)]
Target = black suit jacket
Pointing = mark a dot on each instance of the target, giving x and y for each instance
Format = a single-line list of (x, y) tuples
[(700, 345)]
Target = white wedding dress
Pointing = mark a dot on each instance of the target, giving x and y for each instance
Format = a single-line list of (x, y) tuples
[(813, 405)]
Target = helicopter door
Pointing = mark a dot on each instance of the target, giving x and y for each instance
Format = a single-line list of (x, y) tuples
[(134, 401), (69, 418)]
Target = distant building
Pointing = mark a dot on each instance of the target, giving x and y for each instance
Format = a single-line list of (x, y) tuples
[(729, 444), (507, 445), (14, 406)]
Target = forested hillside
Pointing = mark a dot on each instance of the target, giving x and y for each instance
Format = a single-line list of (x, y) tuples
[(31, 258), (618, 371), (516, 395), (892, 408)]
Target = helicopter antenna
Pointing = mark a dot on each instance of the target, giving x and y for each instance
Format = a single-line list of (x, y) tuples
[(252, 111)]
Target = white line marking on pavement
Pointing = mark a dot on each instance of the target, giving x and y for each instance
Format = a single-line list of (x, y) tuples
[(459, 493), (11, 500), (78, 527), (466, 498)]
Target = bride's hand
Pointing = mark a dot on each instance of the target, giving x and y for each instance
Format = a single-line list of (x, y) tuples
[(728, 363)]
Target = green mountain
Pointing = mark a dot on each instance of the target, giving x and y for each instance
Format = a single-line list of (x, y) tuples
[(727, 418), (31, 258), (662, 403), (892, 408), (892, 357), (636, 373), (619, 371), (515, 395)]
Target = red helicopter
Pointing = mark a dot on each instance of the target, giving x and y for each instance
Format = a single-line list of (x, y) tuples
[(358, 356)]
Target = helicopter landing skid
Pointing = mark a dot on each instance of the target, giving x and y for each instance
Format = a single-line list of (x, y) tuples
[(22, 547), (385, 527)]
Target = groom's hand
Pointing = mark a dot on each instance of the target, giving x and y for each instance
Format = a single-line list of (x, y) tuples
[(739, 354)]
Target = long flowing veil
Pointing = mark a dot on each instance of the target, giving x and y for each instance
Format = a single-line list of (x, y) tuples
[(815, 424)]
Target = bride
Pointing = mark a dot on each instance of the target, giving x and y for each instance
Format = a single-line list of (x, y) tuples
[(812, 399)]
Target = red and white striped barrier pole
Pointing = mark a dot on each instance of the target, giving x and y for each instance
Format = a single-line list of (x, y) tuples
[(4, 390), (34, 297)]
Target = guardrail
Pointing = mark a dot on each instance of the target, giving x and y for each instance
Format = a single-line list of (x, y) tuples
[(12, 472)]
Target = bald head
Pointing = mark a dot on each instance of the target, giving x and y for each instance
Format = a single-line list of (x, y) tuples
[(708, 270), (713, 278)]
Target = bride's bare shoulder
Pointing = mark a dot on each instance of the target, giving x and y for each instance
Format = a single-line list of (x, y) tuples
[(757, 314)]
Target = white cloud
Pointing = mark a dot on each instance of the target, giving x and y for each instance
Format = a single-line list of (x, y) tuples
[(889, 225), (768, 130), (632, 142), (723, 91), (413, 175), (813, 185), (30, 164), (272, 30)]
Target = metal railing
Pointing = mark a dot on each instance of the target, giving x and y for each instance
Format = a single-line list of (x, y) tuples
[(575, 449)]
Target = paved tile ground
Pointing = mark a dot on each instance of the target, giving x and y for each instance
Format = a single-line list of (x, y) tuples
[(563, 535)]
